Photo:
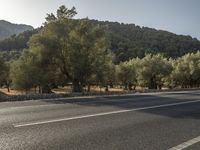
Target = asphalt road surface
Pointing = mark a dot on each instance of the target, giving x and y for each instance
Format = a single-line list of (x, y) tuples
[(160, 121)]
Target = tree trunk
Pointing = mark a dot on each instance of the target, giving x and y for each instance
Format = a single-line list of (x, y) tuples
[(88, 89), (40, 91), (46, 89), (160, 87), (153, 84), (111, 85), (77, 87), (130, 86), (134, 87), (8, 88), (106, 89), (126, 86), (54, 86), (35, 89)]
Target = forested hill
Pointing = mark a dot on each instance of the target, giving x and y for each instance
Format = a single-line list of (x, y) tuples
[(127, 41), (7, 29), (17, 42)]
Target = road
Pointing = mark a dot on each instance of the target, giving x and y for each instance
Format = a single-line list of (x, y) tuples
[(154, 121)]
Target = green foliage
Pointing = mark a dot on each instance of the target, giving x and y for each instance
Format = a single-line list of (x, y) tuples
[(77, 47), (127, 41), (126, 73), (22, 72), (62, 13), (9, 56), (153, 70), (186, 71), (29, 71), (131, 41), (104, 73), (2, 68), (68, 50), (17, 43), (5, 79)]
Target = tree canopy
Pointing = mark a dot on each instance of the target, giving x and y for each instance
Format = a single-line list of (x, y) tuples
[(127, 41), (77, 52), (77, 47)]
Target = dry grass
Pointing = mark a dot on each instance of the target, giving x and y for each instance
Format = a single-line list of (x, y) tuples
[(12, 92), (94, 89), (62, 90)]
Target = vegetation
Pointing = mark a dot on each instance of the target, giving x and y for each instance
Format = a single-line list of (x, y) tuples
[(77, 52), (186, 72), (126, 41), (58, 45), (153, 70), (130, 41), (126, 73), (5, 74), (17, 42)]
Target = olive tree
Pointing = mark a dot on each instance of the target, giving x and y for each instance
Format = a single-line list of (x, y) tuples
[(5, 79), (186, 72), (77, 47), (126, 73), (152, 71)]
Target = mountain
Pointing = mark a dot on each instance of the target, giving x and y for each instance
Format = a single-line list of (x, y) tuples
[(126, 41), (17, 42), (7, 29), (129, 41)]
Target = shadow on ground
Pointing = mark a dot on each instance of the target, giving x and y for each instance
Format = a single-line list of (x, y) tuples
[(190, 110), (3, 97)]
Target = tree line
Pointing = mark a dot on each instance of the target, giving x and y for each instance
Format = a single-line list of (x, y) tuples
[(72, 51), (131, 41), (17, 42), (157, 71), (126, 41)]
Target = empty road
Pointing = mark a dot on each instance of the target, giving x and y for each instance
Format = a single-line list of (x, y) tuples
[(154, 121)]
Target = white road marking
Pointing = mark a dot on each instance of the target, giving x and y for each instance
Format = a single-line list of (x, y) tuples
[(100, 114), (186, 144)]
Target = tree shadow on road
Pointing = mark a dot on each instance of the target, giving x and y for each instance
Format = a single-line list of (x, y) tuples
[(189, 110)]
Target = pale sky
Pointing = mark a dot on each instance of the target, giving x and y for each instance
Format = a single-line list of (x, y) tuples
[(178, 16)]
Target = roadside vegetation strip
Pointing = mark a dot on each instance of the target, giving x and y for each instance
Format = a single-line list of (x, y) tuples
[(100, 114), (186, 144)]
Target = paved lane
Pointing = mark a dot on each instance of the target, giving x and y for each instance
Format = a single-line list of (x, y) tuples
[(154, 128)]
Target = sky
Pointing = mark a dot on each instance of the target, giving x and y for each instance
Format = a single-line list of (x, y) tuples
[(178, 16)]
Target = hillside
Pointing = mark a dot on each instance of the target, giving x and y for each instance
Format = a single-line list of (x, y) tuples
[(127, 41), (7, 29)]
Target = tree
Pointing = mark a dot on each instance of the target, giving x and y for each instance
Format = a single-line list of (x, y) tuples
[(22, 73), (29, 71), (4, 73), (2, 69), (126, 73), (153, 70), (62, 13), (104, 75), (77, 47), (186, 72), (17, 42), (5, 76)]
